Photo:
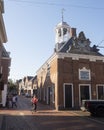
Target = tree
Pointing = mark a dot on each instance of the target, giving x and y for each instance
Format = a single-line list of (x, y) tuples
[(12, 86)]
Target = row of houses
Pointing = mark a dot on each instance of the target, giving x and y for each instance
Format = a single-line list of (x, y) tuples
[(5, 60), (27, 85), (74, 72)]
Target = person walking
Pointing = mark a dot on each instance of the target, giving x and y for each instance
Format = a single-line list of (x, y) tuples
[(14, 101), (34, 102), (7, 101)]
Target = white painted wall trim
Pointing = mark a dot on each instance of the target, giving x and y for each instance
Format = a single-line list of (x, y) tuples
[(4, 94), (80, 93), (97, 89), (80, 56)]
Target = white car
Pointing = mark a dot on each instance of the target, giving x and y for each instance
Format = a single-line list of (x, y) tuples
[(27, 95)]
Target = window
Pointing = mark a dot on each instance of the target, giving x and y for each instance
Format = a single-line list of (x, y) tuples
[(84, 74), (100, 92), (53, 94)]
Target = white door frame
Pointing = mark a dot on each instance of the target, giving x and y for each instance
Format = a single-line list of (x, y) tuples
[(97, 89), (89, 85)]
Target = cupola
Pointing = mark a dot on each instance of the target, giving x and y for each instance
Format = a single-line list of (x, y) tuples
[(63, 32)]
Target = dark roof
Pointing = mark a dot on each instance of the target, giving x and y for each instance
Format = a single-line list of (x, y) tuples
[(29, 77), (79, 45), (5, 53), (66, 46), (19, 80), (34, 78)]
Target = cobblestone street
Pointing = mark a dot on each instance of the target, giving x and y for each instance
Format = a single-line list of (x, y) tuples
[(22, 118)]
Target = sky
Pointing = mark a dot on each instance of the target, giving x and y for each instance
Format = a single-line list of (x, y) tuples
[(30, 27)]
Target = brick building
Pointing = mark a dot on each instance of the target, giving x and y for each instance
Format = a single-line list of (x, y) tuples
[(75, 71), (5, 59)]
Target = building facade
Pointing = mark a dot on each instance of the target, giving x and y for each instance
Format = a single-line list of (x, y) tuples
[(5, 59), (73, 73), (26, 85)]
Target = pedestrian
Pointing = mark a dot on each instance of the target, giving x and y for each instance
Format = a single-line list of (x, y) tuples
[(16, 97), (7, 101), (14, 101), (34, 102), (10, 100)]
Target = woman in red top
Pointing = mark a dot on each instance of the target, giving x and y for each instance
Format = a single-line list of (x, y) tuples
[(34, 102)]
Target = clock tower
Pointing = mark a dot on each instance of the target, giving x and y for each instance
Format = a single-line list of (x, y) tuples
[(62, 33)]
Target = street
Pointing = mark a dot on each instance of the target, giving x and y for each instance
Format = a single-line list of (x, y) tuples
[(22, 118)]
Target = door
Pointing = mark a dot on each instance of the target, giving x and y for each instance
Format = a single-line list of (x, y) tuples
[(84, 92), (100, 92), (68, 96)]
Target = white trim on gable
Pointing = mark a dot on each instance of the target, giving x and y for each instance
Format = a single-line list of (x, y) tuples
[(80, 56), (62, 55)]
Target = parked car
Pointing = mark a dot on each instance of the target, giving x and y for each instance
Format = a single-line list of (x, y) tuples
[(23, 93), (95, 107)]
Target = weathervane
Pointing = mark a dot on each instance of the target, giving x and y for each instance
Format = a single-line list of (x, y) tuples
[(62, 11)]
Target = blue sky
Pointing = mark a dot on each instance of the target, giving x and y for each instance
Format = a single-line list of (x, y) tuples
[(30, 27)]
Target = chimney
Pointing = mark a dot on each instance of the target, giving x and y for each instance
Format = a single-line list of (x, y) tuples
[(73, 32)]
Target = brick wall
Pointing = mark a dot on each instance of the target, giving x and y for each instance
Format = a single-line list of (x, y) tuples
[(66, 70)]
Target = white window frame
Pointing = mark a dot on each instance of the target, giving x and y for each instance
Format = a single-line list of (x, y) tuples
[(97, 89), (87, 72)]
